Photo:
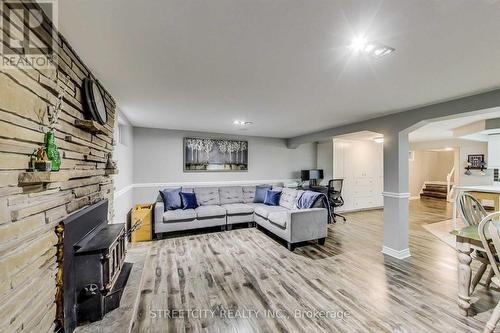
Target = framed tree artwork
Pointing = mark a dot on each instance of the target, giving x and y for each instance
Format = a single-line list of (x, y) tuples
[(208, 154)]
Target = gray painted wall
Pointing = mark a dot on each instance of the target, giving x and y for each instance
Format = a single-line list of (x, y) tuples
[(158, 158)]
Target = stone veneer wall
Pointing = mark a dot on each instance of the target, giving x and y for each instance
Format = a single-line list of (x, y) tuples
[(29, 214)]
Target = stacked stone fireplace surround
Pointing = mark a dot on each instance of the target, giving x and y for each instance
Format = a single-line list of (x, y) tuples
[(29, 214)]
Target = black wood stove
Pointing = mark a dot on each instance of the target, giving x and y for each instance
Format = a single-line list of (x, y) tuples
[(94, 271)]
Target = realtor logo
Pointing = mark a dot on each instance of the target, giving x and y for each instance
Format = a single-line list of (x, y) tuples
[(27, 34)]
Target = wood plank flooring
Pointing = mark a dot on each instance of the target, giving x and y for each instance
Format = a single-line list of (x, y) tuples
[(246, 281)]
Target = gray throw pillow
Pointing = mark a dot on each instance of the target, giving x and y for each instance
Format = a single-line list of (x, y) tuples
[(260, 193)]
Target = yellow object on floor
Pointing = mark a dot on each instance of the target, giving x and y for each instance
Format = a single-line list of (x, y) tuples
[(142, 214)]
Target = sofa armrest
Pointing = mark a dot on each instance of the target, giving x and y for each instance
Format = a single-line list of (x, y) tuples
[(159, 210), (308, 224)]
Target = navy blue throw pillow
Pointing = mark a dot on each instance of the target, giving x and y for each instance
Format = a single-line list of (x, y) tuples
[(171, 198), (260, 193), (189, 200), (272, 198)]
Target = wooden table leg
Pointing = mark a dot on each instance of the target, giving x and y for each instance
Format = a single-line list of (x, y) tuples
[(464, 277)]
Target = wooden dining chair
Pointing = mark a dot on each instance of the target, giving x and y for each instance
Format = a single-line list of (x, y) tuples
[(472, 213), (487, 227)]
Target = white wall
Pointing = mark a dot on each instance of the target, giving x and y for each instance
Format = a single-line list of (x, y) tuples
[(429, 166), (158, 158), (324, 160), (124, 155), (465, 147)]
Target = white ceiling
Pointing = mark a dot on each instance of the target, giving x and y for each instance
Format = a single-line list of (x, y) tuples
[(283, 64), (443, 130)]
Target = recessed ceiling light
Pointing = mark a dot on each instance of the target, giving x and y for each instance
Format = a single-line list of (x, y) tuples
[(242, 123), (358, 43), (361, 45)]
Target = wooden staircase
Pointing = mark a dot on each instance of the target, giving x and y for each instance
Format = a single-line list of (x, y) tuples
[(434, 190)]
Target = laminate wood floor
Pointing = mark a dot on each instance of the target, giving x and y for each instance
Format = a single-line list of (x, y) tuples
[(247, 281)]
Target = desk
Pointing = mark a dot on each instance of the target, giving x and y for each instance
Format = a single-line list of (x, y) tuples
[(319, 188), (467, 241)]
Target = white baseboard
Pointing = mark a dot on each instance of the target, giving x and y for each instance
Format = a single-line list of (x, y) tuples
[(340, 211), (397, 195), (403, 254)]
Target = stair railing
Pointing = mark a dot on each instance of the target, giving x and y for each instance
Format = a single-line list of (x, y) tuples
[(449, 186)]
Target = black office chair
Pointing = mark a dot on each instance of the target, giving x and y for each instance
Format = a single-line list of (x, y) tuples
[(335, 196)]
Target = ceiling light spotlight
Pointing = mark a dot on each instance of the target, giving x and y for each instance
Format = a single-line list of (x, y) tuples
[(361, 45), (358, 43), (242, 123), (379, 139)]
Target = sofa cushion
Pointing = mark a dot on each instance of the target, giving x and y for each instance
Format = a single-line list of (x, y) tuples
[(179, 215), (230, 194), (288, 198), (264, 211), (272, 198), (171, 198), (260, 193), (248, 194), (207, 195), (279, 218), (237, 209), (189, 200), (210, 211)]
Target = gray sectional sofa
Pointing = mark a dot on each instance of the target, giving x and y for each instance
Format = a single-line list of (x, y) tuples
[(227, 205)]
